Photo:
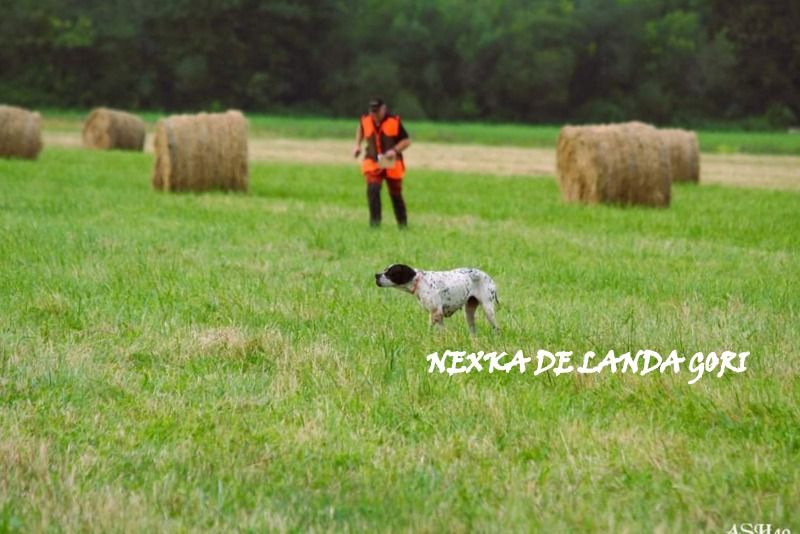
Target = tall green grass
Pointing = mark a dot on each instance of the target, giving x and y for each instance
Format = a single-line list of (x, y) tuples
[(226, 362)]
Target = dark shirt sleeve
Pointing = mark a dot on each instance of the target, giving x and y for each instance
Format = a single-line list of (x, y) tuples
[(402, 134)]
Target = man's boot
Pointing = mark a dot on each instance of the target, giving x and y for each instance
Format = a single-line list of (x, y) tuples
[(399, 210), (374, 201)]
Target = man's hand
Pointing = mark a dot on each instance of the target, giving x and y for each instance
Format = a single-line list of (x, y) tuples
[(356, 151), (391, 153)]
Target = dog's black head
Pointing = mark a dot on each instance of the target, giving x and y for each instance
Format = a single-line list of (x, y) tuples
[(395, 275)]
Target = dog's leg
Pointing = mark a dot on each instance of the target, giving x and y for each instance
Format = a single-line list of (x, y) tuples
[(437, 317), (469, 311), (488, 309)]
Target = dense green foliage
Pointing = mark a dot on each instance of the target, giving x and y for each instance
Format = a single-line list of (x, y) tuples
[(666, 61), (225, 362)]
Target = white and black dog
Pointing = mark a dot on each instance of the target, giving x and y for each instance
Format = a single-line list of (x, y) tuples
[(443, 293)]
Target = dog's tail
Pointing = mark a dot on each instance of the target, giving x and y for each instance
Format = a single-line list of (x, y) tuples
[(495, 298)]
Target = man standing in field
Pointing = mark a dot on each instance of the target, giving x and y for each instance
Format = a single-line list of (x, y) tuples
[(383, 159)]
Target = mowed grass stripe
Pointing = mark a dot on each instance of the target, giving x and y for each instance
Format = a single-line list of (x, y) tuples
[(518, 135), (225, 361)]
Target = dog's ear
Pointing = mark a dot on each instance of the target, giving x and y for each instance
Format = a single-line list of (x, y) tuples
[(400, 274)]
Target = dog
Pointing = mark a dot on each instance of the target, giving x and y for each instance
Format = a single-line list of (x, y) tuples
[(443, 293)]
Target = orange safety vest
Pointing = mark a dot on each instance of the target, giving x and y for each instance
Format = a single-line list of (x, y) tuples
[(379, 141)]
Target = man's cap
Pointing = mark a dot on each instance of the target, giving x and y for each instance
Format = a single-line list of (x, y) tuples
[(375, 104)]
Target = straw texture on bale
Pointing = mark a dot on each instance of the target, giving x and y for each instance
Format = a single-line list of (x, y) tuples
[(20, 133), (617, 163), (108, 129), (684, 154), (201, 152)]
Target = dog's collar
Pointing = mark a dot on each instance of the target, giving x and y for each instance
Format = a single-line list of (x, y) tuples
[(416, 284)]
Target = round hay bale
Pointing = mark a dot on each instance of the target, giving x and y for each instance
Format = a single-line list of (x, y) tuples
[(20, 133), (684, 154), (617, 163), (108, 129), (201, 152)]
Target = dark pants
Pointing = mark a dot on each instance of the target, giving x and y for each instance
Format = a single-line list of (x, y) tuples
[(374, 181)]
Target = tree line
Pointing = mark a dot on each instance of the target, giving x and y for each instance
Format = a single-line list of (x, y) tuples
[(664, 61)]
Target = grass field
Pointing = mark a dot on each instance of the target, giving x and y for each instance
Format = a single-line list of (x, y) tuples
[(542, 136), (219, 361)]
